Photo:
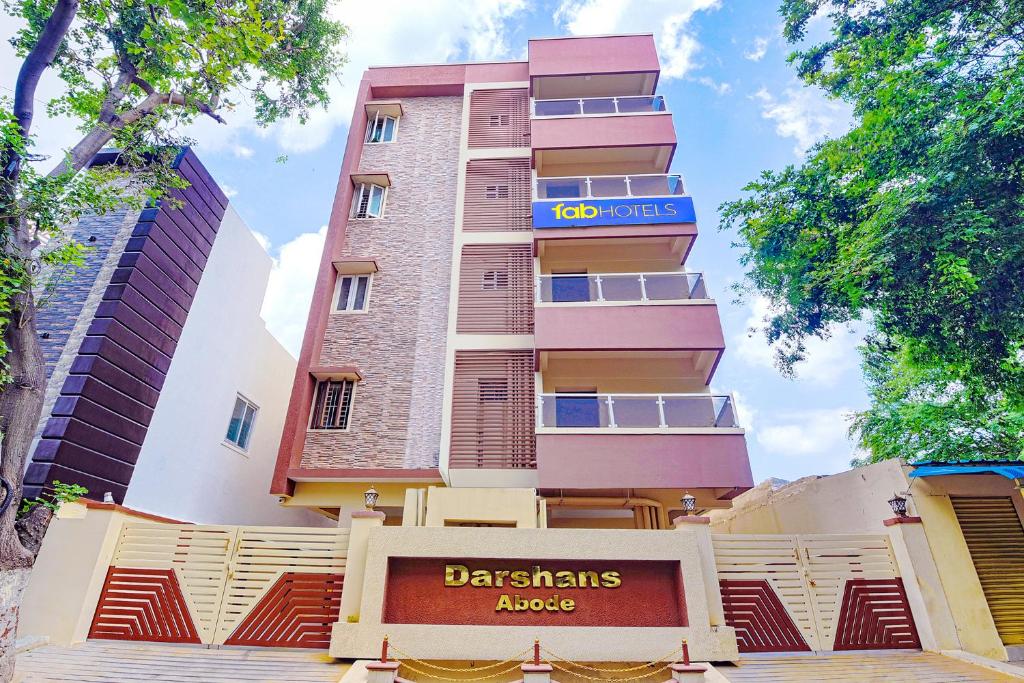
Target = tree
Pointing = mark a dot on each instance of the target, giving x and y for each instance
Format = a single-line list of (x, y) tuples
[(912, 221), (134, 72)]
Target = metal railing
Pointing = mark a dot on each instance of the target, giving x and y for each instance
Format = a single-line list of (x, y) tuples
[(609, 186), (620, 287), (600, 106), (635, 411)]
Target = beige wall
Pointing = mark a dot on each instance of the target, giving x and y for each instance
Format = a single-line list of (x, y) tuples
[(608, 256), (450, 507), (68, 574), (624, 373), (709, 639)]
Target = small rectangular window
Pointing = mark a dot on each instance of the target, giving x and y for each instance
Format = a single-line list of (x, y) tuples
[(381, 128), (333, 404), (499, 119), (369, 201), (241, 423), (495, 279), (496, 191), (352, 293)]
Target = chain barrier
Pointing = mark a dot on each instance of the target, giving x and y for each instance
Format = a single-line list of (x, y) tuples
[(577, 674), (516, 661)]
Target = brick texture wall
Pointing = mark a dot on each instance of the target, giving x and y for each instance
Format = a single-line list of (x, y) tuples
[(399, 343)]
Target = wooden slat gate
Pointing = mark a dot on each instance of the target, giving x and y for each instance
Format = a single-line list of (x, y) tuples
[(813, 592), (256, 586)]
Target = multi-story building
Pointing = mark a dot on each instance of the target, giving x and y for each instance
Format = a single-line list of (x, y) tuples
[(504, 304), (162, 378)]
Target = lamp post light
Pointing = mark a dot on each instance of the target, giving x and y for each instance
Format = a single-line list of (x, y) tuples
[(370, 497), (689, 503), (898, 504)]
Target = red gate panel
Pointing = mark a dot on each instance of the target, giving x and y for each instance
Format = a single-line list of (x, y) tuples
[(143, 604), (298, 611), (761, 621), (875, 615)]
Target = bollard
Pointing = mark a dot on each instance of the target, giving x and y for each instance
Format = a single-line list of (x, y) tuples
[(535, 672), (381, 672), (688, 673)]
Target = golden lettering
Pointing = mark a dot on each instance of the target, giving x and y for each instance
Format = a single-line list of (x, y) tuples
[(611, 579), (565, 580), (481, 578), (519, 579), (456, 574)]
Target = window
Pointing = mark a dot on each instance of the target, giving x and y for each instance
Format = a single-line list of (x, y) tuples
[(353, 293), (496, 191), (495, 279), (240, 426), (333, 404), (499, 119), (381, 128), (369, 201)]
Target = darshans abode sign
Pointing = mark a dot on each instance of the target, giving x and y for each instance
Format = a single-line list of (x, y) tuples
[(534, 593), (579, 213)]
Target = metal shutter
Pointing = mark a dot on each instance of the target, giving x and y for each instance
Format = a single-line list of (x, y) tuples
[(499, 118), (497, 195), (496, 289), (995, 538)]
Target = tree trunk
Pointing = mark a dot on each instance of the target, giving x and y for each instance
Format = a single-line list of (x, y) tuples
[(12, 588)]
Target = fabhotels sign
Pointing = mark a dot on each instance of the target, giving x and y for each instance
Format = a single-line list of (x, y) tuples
[(638, 593), (580, 213)]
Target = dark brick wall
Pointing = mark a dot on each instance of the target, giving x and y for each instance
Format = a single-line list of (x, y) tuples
[(99, 421), (68, 289)]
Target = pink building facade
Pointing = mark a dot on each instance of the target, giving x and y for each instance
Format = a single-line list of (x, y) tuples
[(503, 299)]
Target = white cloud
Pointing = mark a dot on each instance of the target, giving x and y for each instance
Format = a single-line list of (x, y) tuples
[(668, 19), (757, 50), (242, 152), (291, 284), (393, 32), (817, 433), (827, 360), (719, 88), (230, 192), (804, 114)]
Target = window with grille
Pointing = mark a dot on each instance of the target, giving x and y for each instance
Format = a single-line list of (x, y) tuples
[(333, 404), (495, 279), (240, 426), (369, 201), (499, 119), (381, 128), (353, 293), (496, 192)]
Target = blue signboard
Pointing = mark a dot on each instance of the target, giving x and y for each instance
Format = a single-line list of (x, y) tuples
[(583, 213)]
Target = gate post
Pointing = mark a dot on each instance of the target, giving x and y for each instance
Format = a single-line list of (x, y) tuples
[(932, 615), (700, 531), (355, 564)]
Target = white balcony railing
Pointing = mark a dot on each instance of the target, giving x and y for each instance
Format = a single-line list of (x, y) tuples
[(600, 106), (636, 411), (609, 186), (631, 288)]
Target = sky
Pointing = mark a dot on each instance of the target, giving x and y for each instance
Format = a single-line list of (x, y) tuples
[(738, 109)]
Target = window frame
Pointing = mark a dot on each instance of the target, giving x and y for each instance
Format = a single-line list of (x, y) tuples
[(357, 200), (352, 293), (234, 445), (371, 125), (312, 424)]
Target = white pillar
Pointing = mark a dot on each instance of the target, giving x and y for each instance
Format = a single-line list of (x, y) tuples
[(932, 615), (363, 521), (698, 528)]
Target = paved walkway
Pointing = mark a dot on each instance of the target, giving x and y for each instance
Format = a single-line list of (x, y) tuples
[(893, 666), (114, 662)]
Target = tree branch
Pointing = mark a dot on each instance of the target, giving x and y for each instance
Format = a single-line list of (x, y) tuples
[(40, 57)]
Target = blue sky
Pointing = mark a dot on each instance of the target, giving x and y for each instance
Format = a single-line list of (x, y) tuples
[(738, 109)]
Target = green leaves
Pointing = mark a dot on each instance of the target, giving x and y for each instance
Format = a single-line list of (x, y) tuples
[(913, 219)]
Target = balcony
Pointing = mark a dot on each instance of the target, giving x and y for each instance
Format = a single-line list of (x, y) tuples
[(593, 66), (620, 288), (600, 106), (642, 412), (600, 135), (657, 441), (609, 187)]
